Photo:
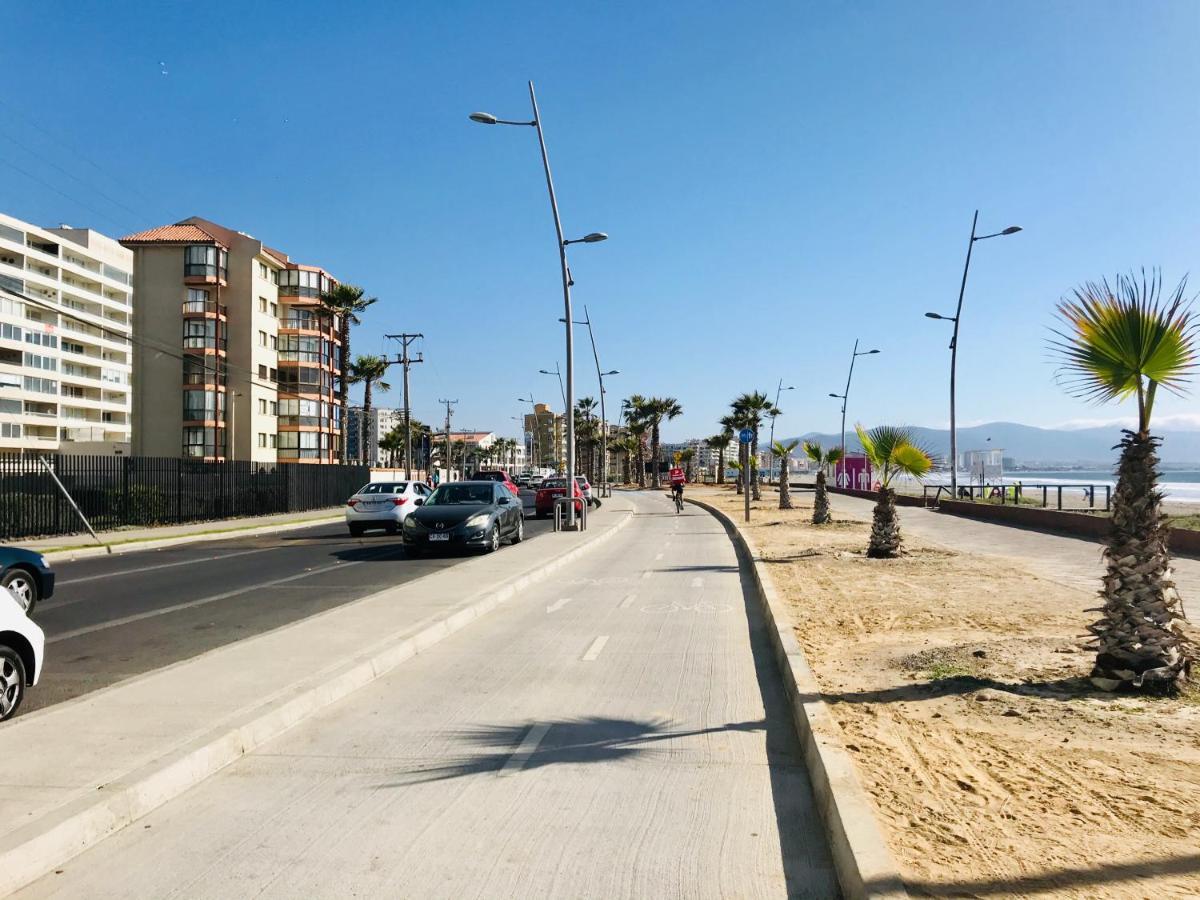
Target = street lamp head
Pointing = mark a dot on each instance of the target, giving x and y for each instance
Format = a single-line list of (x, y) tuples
[(869, 352), (613, 372), (933, 316), (1011, 229), (597, 236), (838, 396), (483, 118)]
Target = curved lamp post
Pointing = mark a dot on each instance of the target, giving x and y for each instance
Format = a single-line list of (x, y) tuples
[(779, 390), (1011, 229), (484, 118)]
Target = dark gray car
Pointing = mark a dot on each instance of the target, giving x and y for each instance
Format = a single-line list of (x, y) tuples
[(476, 514)]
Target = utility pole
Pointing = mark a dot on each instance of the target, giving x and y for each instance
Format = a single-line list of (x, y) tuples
[(406, 361), (449, 413)]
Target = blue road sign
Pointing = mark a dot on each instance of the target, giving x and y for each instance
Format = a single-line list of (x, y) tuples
[(746, 435)]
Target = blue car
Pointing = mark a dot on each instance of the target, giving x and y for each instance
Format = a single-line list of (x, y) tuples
[(26, 575)]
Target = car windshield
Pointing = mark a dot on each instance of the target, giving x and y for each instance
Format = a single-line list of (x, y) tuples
[(554, 483), (384, 487), (458, 494), (488, 476)]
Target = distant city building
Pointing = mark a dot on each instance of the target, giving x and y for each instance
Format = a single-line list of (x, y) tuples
[(66, 315), (257, 367), (546, 432), (985, 465), (382, 421)]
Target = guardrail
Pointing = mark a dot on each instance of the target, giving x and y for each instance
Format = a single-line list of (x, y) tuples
[(1024, 495)]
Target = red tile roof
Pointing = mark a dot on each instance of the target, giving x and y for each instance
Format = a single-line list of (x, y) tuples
[(172, 234)]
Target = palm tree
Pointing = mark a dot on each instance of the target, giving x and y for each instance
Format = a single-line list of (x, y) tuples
[(891, 450), (751, 409), (369, 371), (784, 453), (728, 429), (1123, 340), (344, 302), (658, 409), (627, 446), (686, 457), (393, 443), (737, 466), (637, 424), (823, 459)]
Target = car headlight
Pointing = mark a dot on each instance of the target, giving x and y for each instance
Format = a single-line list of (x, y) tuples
[(478, 521), (411, 523)]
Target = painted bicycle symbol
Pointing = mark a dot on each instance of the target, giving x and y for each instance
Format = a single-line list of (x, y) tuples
[(702, 606)]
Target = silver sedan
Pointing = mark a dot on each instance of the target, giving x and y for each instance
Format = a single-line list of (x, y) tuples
[(384, 505)]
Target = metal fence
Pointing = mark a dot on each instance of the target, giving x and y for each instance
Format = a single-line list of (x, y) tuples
[(132, 491), (1070, 497)]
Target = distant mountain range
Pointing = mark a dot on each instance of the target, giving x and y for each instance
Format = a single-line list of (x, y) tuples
[(1033, 447)]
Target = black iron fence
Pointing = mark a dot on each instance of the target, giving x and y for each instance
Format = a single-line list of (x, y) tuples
[(1072, 497), (132, 491)]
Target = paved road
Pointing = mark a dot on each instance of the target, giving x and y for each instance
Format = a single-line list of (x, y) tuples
[(115, 617), (617, 731)]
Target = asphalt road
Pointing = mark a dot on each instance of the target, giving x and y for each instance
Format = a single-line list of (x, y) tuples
[(115, 617), (618, 730)]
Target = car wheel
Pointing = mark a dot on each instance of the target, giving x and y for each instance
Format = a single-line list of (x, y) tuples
[(356, 531), (519, 531), (493, 543), (392, 528), (23, 586), (12, 682)]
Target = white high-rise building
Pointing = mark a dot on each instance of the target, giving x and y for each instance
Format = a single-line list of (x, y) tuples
[(66, 314)]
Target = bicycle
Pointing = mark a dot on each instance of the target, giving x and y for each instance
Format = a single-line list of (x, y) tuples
[(678, 497)]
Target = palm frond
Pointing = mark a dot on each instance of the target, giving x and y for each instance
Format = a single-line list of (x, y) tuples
[(814, 451), (834, 456)]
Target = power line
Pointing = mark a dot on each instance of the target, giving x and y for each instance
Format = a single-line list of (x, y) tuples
[(51, 187), (406, 361)]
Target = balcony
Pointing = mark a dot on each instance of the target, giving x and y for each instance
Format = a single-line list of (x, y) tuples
[(205, 379), (204, 343), (309, 325), (204, 273), (204, 308)]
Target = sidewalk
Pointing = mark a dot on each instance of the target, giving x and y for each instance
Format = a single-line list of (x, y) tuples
[(81, 770), (64, 547)]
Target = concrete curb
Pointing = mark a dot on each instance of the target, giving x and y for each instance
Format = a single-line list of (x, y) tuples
[(54, 556), (41, 846), (864, 865)]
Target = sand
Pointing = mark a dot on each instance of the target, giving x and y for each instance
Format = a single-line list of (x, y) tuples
[(958, 682)]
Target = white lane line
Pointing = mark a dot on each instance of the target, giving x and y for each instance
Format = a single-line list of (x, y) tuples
[(647, 574), (517, 761), (170, 565), (660, 556), (628, 601), (150, 614), (558, 604), (697, 581), (594, 650)]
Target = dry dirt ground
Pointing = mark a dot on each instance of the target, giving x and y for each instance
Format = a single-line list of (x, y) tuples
[(958, 683)]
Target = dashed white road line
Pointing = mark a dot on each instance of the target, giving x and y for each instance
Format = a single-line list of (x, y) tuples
[(558, 604), (628, 601), (517, 761), (594, 650)]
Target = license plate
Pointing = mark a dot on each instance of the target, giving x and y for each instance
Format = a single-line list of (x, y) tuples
[(439, 537)]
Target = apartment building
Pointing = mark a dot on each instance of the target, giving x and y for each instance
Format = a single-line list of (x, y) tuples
[(546, 431), (66, 311), (250, 364)]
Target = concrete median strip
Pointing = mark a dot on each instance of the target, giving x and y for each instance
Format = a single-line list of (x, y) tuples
[(131, 748), (865, 867)]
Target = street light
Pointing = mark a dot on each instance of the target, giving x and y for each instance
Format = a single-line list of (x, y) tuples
[(845, 398), (1011, 229), (778, 391), (557, 371), (484, 118)]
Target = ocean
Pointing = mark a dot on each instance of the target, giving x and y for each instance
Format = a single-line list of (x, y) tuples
[(1179, 486)]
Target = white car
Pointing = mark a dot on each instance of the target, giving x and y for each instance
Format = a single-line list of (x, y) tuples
[(22, 646), (384, 505)]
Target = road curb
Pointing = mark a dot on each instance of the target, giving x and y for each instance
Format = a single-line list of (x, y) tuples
[(865, 867), (39, 847), (57, 556)]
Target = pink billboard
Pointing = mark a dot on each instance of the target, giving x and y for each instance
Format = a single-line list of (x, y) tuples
[(853, 472)]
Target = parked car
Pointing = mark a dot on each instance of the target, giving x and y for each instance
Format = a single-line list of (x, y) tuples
[(383, 504), (523, 479), (499, 476), (27, 575), (478, 514), (551, 489), (22, 648), (584, 486)]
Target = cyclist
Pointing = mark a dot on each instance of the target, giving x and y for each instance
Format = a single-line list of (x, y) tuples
[(678, 479)]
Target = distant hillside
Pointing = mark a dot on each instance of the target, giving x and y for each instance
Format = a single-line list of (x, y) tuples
[(1040, 446)]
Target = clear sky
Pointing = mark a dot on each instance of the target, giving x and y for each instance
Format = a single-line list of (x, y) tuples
[(776, 178)]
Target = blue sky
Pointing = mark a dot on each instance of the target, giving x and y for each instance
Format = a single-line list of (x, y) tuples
[(777, 179)]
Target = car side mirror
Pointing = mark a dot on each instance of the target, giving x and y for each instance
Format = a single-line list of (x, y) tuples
[(418, 502), (504, 501)]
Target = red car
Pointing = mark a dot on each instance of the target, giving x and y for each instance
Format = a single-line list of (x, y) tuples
[(498, 475), (551, 489)]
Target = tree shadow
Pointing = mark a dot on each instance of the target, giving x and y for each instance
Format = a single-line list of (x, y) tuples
[(715, 568), (1057, 879), (1063, 689)]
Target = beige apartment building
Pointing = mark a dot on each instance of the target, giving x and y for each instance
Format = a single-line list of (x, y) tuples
[(66, 310), (235, 358), (547, 435)]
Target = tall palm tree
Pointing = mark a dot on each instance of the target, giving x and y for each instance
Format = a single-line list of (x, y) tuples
[(751, 409), (659, 409), (637, 424), (344, 303), (784, 453), (891, 450), (823, 459), (393, 443), (1119, 341), (627, 446), (368, 371)]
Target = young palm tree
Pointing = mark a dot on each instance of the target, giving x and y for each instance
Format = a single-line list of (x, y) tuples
[(737, 466), (627, 446), (1122, 340), (784, 452), (345, 302), (751, 409), (891, 450), (728, 429), (823, 459), (368, 371), (658, 409), (392, 443)]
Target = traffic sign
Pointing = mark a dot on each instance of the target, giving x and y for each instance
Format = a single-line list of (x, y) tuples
[(746, 435)]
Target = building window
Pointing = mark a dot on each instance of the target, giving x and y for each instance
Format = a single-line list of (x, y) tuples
[(262, 304), (262, 407), (10, 332), (206, 261), (274, 408), (263, 272), (274, 375), (10, 357), (41, 385), (198, 442), (273, 343), (200, 334), (262, 372), (273, 440), (262, 339), (203, 405), (10, 430), (262, 439), (41, 339), (46, 363), (274, 310)]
